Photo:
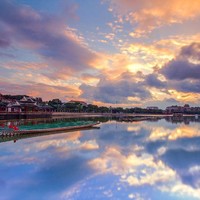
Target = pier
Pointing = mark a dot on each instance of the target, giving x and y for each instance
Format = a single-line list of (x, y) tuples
[(8, 135)]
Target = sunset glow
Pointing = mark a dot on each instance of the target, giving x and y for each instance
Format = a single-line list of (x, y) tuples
[(105, 52)]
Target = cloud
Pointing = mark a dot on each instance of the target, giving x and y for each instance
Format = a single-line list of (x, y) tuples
[(153, 81), (148, 16), (146, 56), (39, 90), (89, 79), (129, 88), (187, 86), (191, 51), (62, 52), (116, 90), (181, 69), (4, 39), (6, 55), (181, 74), (45, 34)]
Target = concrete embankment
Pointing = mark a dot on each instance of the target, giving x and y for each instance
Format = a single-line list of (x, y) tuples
[(81, 114), (36, 115), (24, 115)]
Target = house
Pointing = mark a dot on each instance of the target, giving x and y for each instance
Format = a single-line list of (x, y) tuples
[(78, 102), (14, 107), (174, 109), (19, 103), (182, 109), (152, 108), (28, 104), (45, 108), (27, 100)]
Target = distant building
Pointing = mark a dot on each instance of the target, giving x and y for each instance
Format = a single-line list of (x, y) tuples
[(78, 102), (14, 107), (19, 103), (45, 108), (174, 109), (187, 108), (195, 109), (25, 104), (182, 109), (27, 100), (28, 104), (152, 108)]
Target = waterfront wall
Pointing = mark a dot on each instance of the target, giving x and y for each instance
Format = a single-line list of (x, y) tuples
[(35, 115), (24, 115), (81, 114)]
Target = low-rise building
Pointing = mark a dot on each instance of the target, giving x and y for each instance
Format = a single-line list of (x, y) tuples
[(174, 109), (78, 102), (182, 109), (14, 107), (152, 108), (45, 108)]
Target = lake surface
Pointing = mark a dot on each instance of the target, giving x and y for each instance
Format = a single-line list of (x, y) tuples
[(121, 160)]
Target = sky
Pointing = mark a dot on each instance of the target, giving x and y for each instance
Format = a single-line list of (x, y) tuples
[(130, 53)]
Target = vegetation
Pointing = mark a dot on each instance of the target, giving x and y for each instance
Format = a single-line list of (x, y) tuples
[(78, 106), (90, 108)]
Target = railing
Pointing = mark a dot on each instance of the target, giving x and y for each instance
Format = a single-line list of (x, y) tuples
[(8, 130)]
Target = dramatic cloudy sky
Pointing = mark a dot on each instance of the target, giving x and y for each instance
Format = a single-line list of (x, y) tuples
[(107, 52)]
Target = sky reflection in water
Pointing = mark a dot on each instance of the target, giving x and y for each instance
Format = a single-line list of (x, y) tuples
[(140, 160)]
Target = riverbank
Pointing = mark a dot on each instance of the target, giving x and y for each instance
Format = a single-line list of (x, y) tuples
[(38, 115), (24, 115), (68, 114)]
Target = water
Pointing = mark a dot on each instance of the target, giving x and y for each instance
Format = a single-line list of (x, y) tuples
[(139, 160), (44, 123), (59, 124)]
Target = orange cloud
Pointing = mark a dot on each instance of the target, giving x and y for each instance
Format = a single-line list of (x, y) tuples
[(185, 97), (149, 15), (145, 56), (40, 90), (89, 79)]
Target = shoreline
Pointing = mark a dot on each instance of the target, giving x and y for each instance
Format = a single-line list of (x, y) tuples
[(67, 114), (45, 115)]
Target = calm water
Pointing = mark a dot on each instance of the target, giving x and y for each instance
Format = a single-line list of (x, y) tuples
[(139, 160)]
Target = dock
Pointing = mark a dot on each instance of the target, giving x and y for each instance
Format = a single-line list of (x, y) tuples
[(19, 134)]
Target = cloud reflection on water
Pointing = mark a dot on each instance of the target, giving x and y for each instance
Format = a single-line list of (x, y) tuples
[(147, 160)]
